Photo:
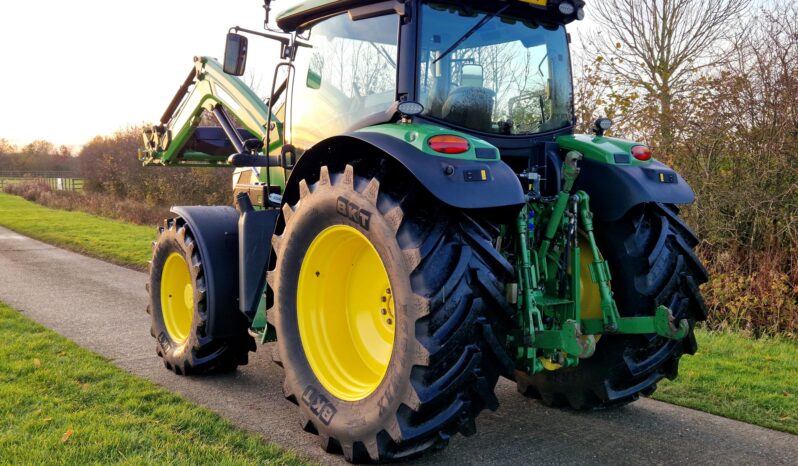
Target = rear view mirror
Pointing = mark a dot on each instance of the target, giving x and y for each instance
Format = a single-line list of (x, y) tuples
[(472, 76), (235, 54)]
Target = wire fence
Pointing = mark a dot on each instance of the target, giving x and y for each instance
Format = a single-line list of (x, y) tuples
[(57, 181)]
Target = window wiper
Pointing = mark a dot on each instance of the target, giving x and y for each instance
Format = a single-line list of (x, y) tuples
[(471, 32)]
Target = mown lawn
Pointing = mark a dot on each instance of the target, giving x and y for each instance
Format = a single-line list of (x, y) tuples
[(63, 404), (732, 375), (112, 240), (752, 380)]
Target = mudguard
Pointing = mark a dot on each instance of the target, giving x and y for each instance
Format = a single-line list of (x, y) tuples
[(616, 181), (215, 229), (255, 229), (463, 184), (615, 189)]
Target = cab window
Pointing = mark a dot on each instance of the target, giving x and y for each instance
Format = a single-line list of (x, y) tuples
[(347, 75)]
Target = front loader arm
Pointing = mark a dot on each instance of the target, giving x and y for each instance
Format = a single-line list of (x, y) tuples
[(208, 88)]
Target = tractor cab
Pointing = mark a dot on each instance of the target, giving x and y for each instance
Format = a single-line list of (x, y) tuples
[(493, 73), (496, 70)]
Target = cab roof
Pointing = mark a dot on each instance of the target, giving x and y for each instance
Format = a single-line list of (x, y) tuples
[(306, 11)]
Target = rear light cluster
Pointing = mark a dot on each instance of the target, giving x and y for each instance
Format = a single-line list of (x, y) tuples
[(448, 144), (641, 153)]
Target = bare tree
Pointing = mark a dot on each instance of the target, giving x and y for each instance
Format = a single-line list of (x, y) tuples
[(7, 148), (662, 46)]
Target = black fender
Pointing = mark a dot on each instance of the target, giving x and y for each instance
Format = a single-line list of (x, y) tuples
[(255, 230), (449, 180), (615, 189), (215, 229)]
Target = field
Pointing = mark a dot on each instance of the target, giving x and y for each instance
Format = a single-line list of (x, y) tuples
[(752, 380)]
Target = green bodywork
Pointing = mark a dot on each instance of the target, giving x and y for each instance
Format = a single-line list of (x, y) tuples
[(600, 148)]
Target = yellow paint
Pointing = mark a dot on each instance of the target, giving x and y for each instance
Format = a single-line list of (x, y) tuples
[(484, 175), (536, 2), (345, 313), (662, 177), (548, 364), (177, 298)]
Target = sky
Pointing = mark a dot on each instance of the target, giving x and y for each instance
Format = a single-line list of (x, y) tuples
[(73, 70)]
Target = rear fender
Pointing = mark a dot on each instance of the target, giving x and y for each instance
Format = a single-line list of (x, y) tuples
[(616, 181), (614, 189), (457, 182)]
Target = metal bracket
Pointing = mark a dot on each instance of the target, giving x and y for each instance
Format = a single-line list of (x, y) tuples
[(661, 323)]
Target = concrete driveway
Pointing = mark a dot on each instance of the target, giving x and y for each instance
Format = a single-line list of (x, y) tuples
[(101, 307)]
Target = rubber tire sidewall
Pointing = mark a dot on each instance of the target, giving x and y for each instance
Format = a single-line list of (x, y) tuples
[(175, 353), (362, 420)]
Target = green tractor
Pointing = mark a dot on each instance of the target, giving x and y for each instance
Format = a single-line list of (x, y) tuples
[(414, 218)]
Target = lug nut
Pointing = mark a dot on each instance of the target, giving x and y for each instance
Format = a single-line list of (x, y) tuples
[(390, 321), (383, 311)]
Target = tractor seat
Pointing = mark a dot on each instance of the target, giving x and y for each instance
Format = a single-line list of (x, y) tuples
[(470, 107)]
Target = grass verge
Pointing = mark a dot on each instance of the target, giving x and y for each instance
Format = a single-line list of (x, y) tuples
[(111, 240), (63, 404), (751, 380)]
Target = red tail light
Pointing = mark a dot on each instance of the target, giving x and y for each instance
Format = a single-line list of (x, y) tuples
[(448, 144), (641, 153)]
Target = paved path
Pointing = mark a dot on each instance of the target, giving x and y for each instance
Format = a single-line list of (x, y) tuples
[(101, 306)]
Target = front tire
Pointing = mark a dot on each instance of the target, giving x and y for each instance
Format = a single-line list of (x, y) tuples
[(435, 369), (179, 311)]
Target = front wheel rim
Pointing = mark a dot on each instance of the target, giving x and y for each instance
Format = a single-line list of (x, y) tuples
[(345, 313), (177, 298)]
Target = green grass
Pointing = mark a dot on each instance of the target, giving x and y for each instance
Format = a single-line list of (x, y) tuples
[(112, 240), (751, 380), (63, 404)]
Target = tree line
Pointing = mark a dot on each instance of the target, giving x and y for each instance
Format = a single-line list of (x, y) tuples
[(109, 166)]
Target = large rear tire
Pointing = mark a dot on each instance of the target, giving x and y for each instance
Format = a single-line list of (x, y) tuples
[(651, 258), (370, 259), (179, 311)]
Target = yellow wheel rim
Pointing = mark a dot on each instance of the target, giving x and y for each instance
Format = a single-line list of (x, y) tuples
[(590, 296), (177, 297), (345, 313)]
